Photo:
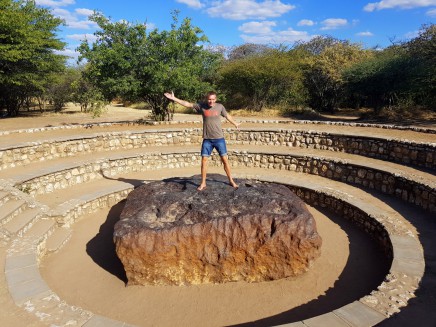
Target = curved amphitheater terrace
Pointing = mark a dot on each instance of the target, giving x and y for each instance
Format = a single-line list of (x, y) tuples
[(371, 189)]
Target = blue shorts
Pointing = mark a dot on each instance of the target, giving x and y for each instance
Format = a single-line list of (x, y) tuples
[(209, 144)]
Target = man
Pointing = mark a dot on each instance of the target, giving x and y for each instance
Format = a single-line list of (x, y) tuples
[(213, 136)]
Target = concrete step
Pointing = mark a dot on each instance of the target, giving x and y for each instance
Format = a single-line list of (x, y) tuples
[(83, 131), (4, 197), (66, 199), (22, 174), (58, 239), (22, 222), (10, 209), (356, 196), (41, 229)]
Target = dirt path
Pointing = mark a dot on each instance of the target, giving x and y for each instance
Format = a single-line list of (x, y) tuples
[(73, 116)]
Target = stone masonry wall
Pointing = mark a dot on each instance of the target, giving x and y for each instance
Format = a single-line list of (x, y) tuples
[(70, 213), (99, 169), (418, 154), (403, 152), (104, 142), (403, 187), (369, 225)]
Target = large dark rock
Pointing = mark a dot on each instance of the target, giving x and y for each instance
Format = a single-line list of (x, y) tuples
[(171, 234)]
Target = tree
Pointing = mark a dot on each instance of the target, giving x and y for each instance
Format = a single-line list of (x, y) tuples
[(60, 91), (175, 60), (125, 61), (260, 80), (401, 76), (316, 45), (113, 59), (381, 80), (27, 58), (248, 50), (423, 51), (324, 73), (88, 96)]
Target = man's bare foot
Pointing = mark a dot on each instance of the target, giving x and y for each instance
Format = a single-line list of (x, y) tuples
[(201, 187), (234, 184)]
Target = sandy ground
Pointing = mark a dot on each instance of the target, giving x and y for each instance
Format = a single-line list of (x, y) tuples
[(87, 273), (73, 116), (93, 278)]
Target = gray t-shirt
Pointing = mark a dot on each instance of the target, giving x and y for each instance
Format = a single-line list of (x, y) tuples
[(211, 119)]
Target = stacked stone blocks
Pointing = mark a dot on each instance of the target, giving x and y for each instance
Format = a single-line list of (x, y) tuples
[(395, 239), (404, 152)]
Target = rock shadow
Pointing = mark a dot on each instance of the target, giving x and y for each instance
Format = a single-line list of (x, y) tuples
[(364, 271), (101, 247), (135, 182)]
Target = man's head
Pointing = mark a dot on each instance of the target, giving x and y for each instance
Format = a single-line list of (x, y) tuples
[(211, 98)]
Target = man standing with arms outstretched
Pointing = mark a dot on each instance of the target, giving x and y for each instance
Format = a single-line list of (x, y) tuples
[(213, 136)]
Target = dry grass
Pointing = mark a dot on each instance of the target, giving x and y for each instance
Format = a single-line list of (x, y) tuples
[(408, 116), (250, 113), (139, 105), (402, 116)]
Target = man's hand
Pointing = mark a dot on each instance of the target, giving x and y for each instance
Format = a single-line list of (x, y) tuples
[(170, 96), (230, 119)]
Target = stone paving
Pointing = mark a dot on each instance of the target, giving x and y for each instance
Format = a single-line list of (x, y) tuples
[(38, 209)]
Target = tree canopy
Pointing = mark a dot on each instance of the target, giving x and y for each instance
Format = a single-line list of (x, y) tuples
[(324, 72), (131, 63), (257, 81), (27, 58)]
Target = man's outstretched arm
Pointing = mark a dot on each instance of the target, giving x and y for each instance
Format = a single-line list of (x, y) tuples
[(184, 103), (230, 119)]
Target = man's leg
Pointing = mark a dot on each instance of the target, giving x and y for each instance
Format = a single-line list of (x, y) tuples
[(203, 173), (225, 162), (206, 151)]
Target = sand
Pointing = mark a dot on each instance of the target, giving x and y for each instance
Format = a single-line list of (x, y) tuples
[(87, 273)]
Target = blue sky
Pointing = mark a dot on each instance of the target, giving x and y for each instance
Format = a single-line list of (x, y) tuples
[(234, 22)]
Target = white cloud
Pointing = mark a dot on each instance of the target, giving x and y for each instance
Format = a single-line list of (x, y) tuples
[(402, 4), (191, 3), (333, 23), (248, 9), (306, 22), (73, 54), (72, 20), (54, 3), (411, 35), (431, 13), (84, 11), (82, 24), (150, 26), (367, 33), (63, 13), (81, 37), (255, 32), (257, 27)]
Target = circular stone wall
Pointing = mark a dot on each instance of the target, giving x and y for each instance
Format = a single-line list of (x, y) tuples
[(171, 234)]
